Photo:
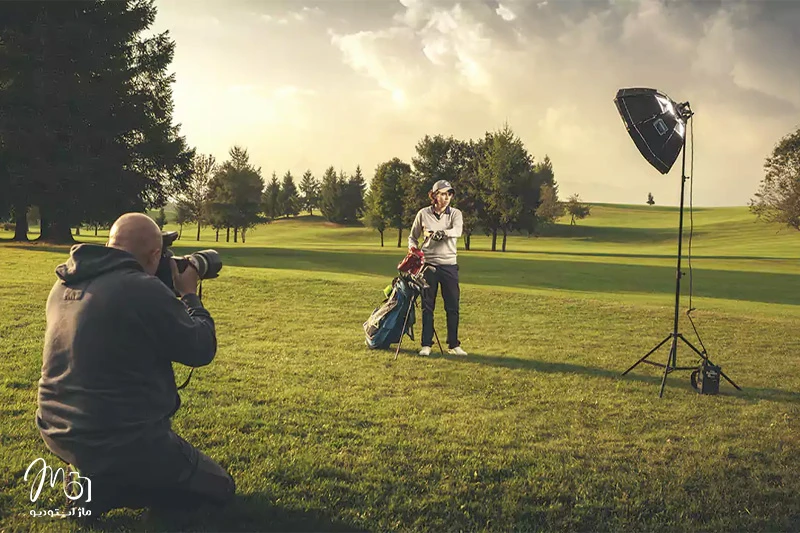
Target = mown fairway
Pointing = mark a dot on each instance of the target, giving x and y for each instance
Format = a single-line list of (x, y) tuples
[(535, 429)]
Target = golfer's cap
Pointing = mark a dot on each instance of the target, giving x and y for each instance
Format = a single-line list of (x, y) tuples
[(441, 184)]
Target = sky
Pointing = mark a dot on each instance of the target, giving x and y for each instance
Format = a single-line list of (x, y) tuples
[(308, 84)]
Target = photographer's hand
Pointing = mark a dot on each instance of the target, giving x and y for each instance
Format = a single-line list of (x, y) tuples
[(185, 282)]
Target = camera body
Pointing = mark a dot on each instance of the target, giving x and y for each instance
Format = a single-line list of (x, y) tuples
[(207, 263)]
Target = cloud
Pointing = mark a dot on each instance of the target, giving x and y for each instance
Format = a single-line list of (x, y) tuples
[(301, 15), (551, 70), (505, 13), (275, 20)]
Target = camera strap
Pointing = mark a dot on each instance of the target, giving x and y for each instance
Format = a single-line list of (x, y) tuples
[(187, 379)]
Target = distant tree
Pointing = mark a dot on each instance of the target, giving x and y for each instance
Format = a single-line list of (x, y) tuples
[(161, 218), (577, 209), (506, 174), (183, 215), (33, 216), (550, 209), (309, 189), (470, 195), (288, 199), (778, 197), (236, 191), (372, 215), (650, 200), (271, 198), (192, 199), (353, 189), (331, 196), (388, 191), (542, 181)]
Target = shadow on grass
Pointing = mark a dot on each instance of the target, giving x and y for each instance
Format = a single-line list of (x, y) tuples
[(250, 512), (515, 272), (520, 272), (570, 368)]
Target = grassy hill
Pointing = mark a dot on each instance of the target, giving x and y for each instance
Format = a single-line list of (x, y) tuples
[(535, 429)]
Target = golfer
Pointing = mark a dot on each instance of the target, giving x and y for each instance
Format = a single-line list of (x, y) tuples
[(441, 226)]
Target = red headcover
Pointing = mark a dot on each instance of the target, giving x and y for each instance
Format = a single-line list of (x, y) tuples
[(413, 262)]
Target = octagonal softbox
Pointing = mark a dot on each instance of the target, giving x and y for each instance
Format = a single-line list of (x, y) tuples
[(654, 123)]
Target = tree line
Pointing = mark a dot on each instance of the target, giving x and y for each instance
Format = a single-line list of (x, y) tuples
[(500, 188), (234, 196)]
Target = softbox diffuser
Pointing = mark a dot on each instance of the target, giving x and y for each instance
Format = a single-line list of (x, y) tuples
[(654, 123)]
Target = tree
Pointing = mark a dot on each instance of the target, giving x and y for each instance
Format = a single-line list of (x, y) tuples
[(161, 218), (650, 200), (388, 186), (192, 199), (353, 189), (505, 174), (288, 200), (271, 198), (373, 217), (309, 187), (470, 194), (183, 215), (550, 209), (331, 196), (236, 193), (86, 102), (778, 197), (576, 209), (536, 208)]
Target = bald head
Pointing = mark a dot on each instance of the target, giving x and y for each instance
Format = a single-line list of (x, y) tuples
[(140, 236)]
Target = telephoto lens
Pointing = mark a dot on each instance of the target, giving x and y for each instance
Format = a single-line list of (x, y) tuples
[(207, 263)]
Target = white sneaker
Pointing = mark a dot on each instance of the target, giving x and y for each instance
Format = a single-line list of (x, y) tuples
[(458, 350), (425, 351)]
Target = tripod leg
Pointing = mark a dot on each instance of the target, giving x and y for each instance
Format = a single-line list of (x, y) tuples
[(705, 357), (721, 373), (437, 341), (403, 331), (659, 345), (672, 356)]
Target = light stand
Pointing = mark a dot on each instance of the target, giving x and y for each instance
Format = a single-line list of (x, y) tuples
[(672, 360)]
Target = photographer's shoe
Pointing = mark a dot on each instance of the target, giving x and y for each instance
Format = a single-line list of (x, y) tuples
[(425, 351), (458, 350)]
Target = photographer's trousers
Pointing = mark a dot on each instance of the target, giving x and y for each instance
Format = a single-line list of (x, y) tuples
[(445, 276), (169, 473)]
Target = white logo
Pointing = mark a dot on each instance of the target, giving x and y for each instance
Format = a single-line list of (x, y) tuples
[(74, 484)]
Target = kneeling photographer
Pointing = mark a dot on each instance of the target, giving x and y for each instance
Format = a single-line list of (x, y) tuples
[(107, 389)]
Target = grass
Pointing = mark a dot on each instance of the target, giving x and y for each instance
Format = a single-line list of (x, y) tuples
[(535, 429)]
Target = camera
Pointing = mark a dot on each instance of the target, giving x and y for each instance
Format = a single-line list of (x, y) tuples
[(207, 263)]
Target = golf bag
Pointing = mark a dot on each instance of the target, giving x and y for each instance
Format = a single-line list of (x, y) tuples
[(385, 325)]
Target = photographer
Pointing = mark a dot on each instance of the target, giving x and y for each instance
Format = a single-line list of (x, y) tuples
[(442, 226), (107, 389)]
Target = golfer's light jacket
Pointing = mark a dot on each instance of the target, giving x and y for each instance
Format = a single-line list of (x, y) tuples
[(437, 252)]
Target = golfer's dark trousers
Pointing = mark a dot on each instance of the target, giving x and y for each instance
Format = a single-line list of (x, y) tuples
[(169, 474), (445, 276)]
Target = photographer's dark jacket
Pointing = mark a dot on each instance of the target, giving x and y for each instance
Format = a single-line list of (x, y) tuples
[(107, 387)]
